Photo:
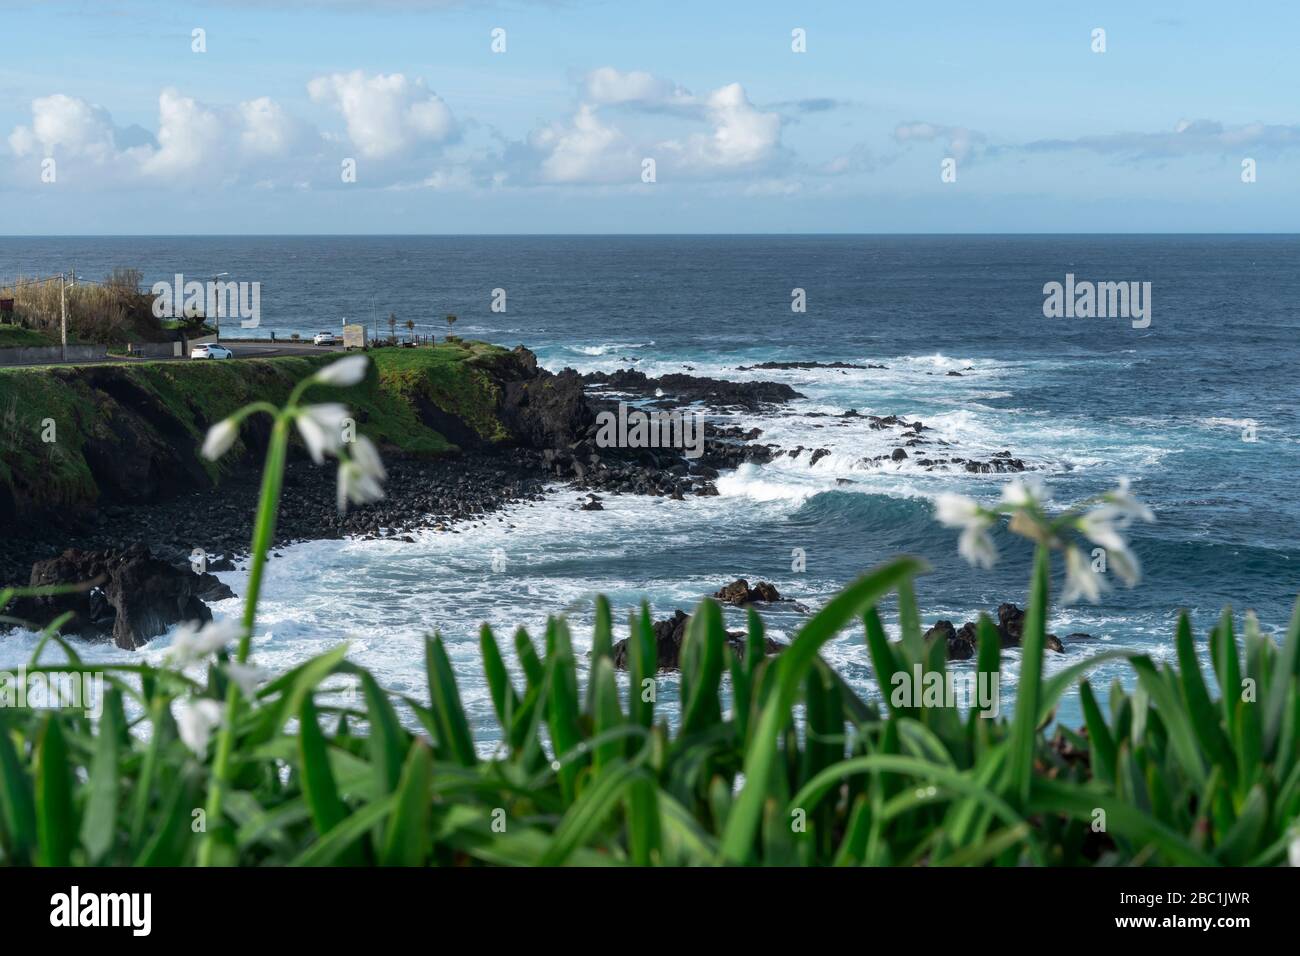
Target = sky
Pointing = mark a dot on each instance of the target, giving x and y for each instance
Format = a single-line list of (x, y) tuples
[(124, 117)]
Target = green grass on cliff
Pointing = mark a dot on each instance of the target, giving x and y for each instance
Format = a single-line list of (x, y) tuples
[(35, 407), (450, 377), (17, 337)]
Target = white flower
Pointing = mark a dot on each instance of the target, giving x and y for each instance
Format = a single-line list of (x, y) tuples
[(346, 371), (360, 475), (1026, 492), (976, 546), (955, 511), (1101, 526), (246, 676), (1127, 505), (974, 543), (195, 722), (193, 643), (219, 439), (321, 427), (1080, 578), (366, 455), (1293, 850)]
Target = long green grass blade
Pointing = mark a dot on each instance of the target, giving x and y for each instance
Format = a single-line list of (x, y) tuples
[(1102, 744), (55, 818), (317, 777), (1286, 667), (17, 802), (1024, 728), (708, 637), (452, 723), (103, 791), (407, 839), (505, 701)]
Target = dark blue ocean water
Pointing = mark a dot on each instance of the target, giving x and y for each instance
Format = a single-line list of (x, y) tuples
[(1082, 401)]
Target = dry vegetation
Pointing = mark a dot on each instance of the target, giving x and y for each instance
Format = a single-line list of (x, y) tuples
[(114, 311)]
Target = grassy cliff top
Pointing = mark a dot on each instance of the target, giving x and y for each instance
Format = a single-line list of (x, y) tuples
[(55, 422)]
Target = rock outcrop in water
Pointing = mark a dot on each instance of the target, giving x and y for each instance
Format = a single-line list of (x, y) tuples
[(668, 636), (678, 389), (129, 595), (963, 643), (739, 594)]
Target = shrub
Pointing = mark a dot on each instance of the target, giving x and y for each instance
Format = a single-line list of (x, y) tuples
[(112, 312)]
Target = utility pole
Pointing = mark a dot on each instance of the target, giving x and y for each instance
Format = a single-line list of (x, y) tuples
[(63, 319)]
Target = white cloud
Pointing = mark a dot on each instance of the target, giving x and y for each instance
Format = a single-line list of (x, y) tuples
[(386, 114), (608, 86), (267, 129), (66, 125), (194, 140), (589, 149), (190, 135), (741, 135), (621, 119), (585, 150)]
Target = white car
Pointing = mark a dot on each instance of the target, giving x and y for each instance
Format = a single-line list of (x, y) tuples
[(326, 338), (211, 351)]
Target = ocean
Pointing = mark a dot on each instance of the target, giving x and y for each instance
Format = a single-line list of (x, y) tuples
[(1198, 409)]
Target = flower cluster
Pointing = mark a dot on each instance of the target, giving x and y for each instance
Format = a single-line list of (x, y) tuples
[(324, 430), (194, 643), (1101, 520)]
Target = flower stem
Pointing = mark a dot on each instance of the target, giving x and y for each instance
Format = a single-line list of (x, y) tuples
[(263, 535), (268, 509)]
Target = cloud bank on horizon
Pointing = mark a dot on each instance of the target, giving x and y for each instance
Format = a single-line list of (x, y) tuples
[(602, 117)]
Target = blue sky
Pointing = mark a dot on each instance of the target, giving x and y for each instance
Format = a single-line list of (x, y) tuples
[(551, 135)]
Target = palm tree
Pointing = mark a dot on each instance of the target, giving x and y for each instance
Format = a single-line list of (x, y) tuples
[(410, 329), (392, 326), (451, 320)]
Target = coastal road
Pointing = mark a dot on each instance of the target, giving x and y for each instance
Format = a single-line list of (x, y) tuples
[(242, 350), (272, 349)]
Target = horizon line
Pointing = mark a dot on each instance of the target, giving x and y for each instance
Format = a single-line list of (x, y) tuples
[(606, 235)]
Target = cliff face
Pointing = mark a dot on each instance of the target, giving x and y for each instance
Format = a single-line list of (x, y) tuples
[(71, 438)]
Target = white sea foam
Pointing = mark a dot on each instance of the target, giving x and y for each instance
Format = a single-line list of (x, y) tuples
[(609, 347)]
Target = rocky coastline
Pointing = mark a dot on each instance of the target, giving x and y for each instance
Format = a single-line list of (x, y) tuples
[(551, 423)]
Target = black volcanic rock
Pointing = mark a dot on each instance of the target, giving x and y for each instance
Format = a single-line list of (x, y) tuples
[(129, 595), (670, 633), (963, 643), (682, 389), (738, 593)]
